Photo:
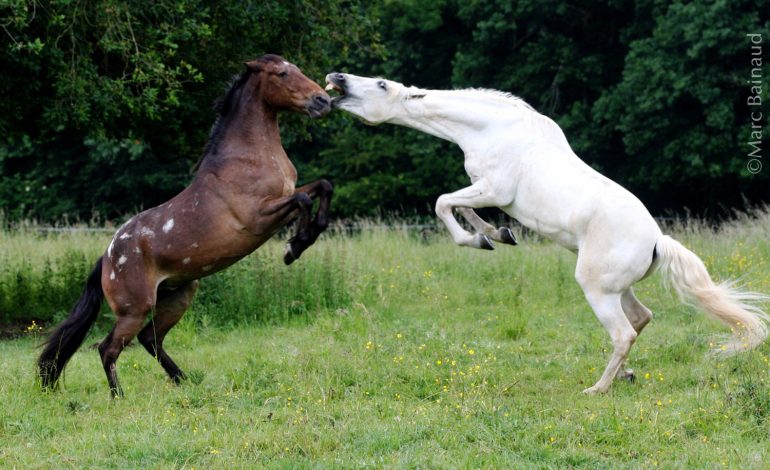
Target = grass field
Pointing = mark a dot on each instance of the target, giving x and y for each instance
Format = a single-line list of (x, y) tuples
[(393, 349)]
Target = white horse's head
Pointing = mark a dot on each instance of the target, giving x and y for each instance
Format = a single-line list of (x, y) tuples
[(375, 100)]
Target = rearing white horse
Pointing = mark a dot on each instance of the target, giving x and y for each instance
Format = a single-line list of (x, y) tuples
[(520, 161)]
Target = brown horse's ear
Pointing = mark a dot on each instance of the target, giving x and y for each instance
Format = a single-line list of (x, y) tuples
[(253, 65)]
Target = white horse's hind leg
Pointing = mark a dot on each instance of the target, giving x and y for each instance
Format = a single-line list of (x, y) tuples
[(608, 309), (472, 196), (502, 234), (637, 313), (639, 316)]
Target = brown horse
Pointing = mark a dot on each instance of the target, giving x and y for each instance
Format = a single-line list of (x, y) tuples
[(243, 192)]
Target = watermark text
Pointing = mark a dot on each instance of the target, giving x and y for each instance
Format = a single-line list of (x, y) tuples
[(754, 103)]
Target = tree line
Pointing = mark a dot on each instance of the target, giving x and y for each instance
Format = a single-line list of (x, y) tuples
[(106, 104)]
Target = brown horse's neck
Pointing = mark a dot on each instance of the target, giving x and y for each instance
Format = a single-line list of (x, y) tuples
[(254, 122), (248, 131)]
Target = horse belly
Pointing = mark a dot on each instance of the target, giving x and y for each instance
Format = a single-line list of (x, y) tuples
[(542, 224), (553, 207)]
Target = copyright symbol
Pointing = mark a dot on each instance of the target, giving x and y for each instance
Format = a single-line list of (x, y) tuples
[(754, 166)]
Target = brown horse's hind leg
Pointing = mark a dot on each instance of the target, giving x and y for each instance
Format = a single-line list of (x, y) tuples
[(169, 309), (128, 324)]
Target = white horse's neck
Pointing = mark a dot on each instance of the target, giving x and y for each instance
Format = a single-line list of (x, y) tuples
[(462, 116)]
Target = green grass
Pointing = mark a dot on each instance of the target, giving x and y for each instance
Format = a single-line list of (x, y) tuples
[(392, 349)]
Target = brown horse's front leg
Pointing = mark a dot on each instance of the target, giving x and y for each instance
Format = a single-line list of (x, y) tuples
[(323, 190), (307, 231), (284, 210)]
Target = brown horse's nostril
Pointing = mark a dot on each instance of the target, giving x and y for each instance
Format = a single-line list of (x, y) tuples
[(319, 105), (322, 100)]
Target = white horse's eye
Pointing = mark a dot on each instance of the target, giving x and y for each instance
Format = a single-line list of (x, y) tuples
[(382, 84)]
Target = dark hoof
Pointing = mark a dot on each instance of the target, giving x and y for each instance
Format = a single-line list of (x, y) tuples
[(485, 243), (627, 375), (288, 255), (507, 236), (178, 378)]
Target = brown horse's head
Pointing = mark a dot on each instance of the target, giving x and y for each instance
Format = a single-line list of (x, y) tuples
[(284, 86)]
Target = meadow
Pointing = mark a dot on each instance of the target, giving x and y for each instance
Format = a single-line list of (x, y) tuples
[(385, 347)]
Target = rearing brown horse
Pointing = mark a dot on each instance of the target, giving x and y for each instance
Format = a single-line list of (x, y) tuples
[(243, 192)]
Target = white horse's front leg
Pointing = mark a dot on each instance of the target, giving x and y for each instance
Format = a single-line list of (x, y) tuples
[(502, 234), (475, 195)]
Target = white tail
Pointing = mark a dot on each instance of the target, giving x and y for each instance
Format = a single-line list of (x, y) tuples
[(686, 273)]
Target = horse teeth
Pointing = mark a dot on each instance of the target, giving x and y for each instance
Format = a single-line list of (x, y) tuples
[(329, 87)]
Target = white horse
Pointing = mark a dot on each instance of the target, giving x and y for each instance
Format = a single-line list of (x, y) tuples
[(520, 161)]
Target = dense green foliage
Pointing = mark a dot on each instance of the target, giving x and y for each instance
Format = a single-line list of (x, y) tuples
[(390, 349), (106, 104)]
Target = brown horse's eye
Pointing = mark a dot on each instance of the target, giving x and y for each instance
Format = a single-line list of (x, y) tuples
[(283, 74)]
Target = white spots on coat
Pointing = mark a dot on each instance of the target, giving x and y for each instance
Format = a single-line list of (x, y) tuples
[(168, 225), (112, 276), (195, 245), (146, 231), (207, 268), (137, 250), (186, 261), (123, 235), (122, 259)]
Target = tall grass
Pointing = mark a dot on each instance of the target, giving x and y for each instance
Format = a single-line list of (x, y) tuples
[(389, 347), (42, 273)]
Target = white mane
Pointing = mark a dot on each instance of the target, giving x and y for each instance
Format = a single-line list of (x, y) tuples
[(501, 96), (541, 122)]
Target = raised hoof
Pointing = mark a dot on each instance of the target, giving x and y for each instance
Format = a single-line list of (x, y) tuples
[(507, 236), (484, 242), (288, 255)]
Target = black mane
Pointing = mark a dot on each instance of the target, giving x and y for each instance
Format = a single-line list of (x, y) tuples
[(223, 106)]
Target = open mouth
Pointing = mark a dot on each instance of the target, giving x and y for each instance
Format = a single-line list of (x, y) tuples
[(335, 84)]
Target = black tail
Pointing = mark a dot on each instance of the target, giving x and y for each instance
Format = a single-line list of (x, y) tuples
[(69, 335)]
